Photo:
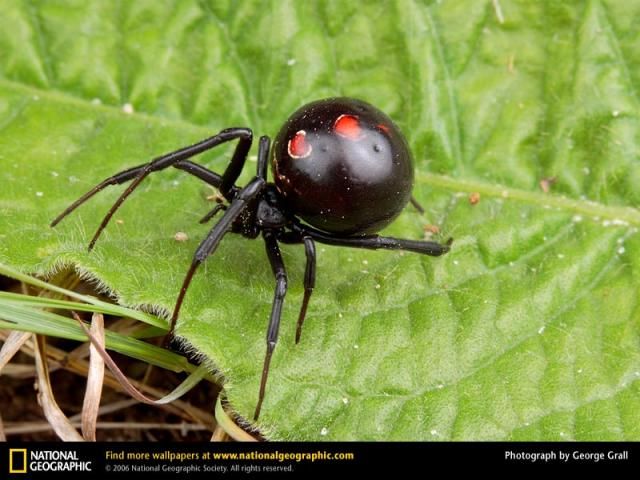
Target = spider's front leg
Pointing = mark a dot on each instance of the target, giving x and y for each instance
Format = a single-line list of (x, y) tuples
[(239, 201), (194, 169), (178, 159), (213, 238)]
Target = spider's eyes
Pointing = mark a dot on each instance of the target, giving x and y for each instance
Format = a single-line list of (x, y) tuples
[(298, 147)]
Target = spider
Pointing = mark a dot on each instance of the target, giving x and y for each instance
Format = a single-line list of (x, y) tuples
[(342, 171)]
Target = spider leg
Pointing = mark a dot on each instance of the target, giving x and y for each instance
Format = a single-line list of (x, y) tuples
[(309, 272), (211, 241), (375, 242), (203, 173), (309, 282), (238, 203), (194, 169), (416, 205), (213, 212), (280, 274), (170, 159), (263, 157)]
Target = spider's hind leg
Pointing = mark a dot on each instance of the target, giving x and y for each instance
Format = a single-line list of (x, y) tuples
[(374, 242)]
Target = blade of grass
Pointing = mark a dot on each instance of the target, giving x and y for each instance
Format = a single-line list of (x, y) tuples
[(11, 346), (191, 381), (104, 307), (80, 367), (13, 316), (95, 380), (229, 426), (54, 415)]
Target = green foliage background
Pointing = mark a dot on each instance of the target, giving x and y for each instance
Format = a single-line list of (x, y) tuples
[(527, 330)]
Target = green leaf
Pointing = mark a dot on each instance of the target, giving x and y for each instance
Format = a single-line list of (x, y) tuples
[(527, 330)]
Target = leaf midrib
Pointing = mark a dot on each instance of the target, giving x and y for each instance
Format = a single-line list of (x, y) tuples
[(618, 215)]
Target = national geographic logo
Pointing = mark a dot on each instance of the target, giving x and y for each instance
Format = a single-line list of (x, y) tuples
[(23, 460), (17, 460)]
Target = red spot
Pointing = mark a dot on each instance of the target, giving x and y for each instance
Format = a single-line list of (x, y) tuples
[(383, 127), (348, 126), (298, 146)]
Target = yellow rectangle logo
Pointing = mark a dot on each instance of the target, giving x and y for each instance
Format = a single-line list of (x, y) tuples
[(17, 466)]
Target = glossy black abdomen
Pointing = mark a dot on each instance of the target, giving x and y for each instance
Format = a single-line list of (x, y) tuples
[(343, 166)]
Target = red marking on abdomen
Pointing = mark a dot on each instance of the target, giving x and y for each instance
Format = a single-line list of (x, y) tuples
[(298, 147), (348, 126), (383, 127)]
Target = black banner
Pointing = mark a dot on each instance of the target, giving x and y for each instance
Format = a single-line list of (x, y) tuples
[(231, 459)]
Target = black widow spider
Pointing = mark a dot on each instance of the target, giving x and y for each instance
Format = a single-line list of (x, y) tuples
[(342, 171)]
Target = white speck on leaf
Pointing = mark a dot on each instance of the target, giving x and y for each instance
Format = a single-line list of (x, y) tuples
[(39, 194), (324, 431), (127, 108), (181, 237), (291, 62), (618, 222), (541, 330)]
